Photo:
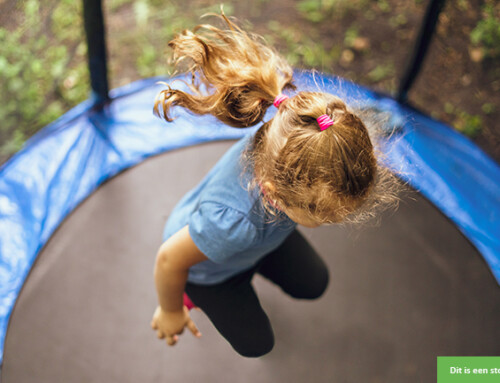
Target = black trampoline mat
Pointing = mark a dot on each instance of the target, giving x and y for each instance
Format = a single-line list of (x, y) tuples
[(400, 295)]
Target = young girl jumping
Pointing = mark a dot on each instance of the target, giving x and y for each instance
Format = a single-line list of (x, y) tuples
[(314, 163)]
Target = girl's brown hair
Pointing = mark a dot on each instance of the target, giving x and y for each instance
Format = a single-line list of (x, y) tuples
[(332, 175), (235, 77)]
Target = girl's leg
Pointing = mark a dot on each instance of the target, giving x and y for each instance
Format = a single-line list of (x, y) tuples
[(235, 311), (296, 268)]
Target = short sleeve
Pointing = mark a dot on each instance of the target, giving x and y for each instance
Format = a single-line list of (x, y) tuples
[(221, 232)]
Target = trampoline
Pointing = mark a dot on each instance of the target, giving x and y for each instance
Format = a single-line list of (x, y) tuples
[(82, 208)]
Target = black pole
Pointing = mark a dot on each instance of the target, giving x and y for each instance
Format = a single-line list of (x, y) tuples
[(96, 47), (421, 45)]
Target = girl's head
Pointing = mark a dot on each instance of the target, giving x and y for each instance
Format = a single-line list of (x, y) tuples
[(321, 175), (313, 176)]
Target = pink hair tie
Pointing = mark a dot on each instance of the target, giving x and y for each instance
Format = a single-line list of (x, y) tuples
[(279, 99), (324, 121)]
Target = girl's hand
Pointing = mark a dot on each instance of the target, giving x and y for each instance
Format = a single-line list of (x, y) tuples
[(171, 324)]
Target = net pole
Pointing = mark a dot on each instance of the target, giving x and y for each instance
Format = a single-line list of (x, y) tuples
[(96, 49), (422, 43)]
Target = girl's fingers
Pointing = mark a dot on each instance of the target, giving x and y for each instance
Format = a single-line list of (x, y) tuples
[(154, 322), (171, 340), (192, 327), (160, 334)]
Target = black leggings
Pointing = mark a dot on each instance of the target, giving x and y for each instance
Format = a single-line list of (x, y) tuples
[(233, 306)]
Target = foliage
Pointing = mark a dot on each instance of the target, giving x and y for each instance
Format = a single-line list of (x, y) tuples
[(381, 72), (40, 79), (487, 31), (350, 36), (156, 23), (469, 124), (301, 49), (317, 11), (43, 58), (43, 69)]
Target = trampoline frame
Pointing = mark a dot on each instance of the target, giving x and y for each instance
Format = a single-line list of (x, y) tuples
[(29, 229)]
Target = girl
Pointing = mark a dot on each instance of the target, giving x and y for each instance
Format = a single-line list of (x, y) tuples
[(312, 164)]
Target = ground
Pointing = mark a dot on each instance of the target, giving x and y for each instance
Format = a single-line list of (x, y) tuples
[(366, 41)]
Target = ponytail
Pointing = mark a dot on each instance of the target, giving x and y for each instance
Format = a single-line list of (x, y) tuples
[(234, 76)]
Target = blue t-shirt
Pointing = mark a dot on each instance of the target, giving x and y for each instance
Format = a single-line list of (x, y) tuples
[(226, 221)]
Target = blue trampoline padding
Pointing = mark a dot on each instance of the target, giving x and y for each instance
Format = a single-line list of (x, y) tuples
[(67, 160)]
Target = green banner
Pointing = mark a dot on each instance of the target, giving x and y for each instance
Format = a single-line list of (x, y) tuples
[(468, 369)]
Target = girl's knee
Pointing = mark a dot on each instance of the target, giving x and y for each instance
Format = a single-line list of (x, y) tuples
[(315, 288)]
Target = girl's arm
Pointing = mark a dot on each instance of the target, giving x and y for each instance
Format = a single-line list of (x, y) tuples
[(175, 256)]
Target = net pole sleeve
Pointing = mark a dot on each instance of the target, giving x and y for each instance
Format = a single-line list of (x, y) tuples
[(96, 48)]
